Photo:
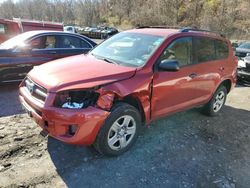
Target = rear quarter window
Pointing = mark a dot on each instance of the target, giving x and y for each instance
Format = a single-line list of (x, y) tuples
[(222, 51)]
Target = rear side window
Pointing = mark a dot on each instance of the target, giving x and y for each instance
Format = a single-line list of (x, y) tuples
[(221, 49), (205, 49)]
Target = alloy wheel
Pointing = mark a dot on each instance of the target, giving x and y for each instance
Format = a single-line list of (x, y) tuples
[(121, 132)]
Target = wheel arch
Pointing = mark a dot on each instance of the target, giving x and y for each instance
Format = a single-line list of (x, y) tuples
[(135, 102), (227, 83)]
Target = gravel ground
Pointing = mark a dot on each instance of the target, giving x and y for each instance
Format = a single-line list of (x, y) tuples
[(184, 150)]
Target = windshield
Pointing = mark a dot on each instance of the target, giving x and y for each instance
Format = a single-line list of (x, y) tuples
[(18, 40), (128, 49), (245, 45)]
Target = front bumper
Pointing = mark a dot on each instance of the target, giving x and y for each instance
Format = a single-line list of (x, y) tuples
[(57, 121), (243, 75)]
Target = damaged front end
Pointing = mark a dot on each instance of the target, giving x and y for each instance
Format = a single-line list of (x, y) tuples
[(80, 99)]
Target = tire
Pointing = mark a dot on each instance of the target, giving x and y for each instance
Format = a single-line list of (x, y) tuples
[(216, 103), (119, 131)]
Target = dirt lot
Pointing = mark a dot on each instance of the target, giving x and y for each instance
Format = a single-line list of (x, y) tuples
[(183, 150)]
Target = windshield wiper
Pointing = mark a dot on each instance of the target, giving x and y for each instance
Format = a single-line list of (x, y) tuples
[(110, 61), (104, 59)]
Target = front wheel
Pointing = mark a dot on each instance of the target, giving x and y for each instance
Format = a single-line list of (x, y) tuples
[(119, 131), (214, 106)]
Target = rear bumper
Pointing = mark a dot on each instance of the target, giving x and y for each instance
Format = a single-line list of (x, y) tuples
[(57, 121)]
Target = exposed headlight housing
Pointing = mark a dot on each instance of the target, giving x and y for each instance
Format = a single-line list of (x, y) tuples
[(76, 99)]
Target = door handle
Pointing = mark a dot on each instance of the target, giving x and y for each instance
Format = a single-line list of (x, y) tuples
[(193, 75)]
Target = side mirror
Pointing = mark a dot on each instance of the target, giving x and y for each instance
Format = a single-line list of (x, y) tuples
[(169, 65)]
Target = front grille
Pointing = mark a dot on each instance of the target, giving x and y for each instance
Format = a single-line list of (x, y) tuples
[(35, 90)]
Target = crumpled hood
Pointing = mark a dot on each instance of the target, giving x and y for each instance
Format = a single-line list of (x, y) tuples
[(81, 71)]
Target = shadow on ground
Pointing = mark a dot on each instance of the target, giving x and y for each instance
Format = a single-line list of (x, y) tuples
[(183, 150), (9, 102)]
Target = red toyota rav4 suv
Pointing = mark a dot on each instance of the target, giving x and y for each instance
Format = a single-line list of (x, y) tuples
[(104, 97)]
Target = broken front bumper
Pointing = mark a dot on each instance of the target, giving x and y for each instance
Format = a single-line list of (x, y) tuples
[(58, 122)]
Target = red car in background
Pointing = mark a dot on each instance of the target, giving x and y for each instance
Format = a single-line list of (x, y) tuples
[(131, 79), (11, 28)]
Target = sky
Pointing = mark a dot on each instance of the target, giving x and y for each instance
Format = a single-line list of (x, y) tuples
[(7, 0)]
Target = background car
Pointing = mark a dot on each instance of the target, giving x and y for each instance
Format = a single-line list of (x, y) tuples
[(243, 72), (100, 32), (70, 29), (243, 50), (19, 54)]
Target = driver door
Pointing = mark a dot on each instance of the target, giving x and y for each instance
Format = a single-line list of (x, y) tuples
[(175, 91)]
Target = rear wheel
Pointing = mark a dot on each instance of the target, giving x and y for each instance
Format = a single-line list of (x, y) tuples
[(214, 106), (119, 131)]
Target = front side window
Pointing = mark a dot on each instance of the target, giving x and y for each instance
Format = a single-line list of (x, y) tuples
[(43, 42), (180, 50), (37, 43), (72, 42), (2, 29), (128, 49)]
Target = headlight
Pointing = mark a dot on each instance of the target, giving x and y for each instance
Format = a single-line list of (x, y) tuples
[(76, 99), (241, 63)]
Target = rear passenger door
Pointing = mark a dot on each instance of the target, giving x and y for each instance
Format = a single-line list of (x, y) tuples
[(71, 45), (210, 62)]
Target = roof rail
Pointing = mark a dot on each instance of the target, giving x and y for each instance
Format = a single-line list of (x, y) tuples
[(187, 29), (182, 29), (159, 27)]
